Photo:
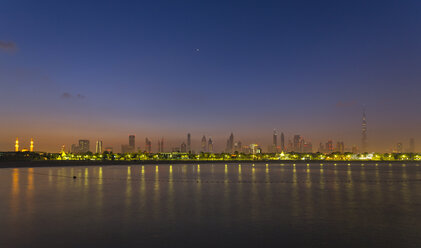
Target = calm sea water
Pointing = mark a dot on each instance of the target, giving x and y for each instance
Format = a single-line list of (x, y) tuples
[(210, 205)]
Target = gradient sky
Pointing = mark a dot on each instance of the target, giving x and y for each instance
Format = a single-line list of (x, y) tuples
[(107, 69)]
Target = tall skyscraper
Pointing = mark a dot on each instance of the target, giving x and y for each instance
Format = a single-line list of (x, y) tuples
[(329, 146), (297, 144), (275, 141), (84, 146), (161, 145), (188, 143), (204, 144), (31, 145), (98, 146), (148, 145), (411, 145), (132, 143), (230, 144), (17, 145), (364, 145), (282, 142), (210, 145)]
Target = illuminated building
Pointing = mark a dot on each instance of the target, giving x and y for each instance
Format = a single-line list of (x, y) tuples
[(84, 146), (282, 142), (31, 145), (254, 148), (98, 146), (63, 147), (204, 143), (188, 143), (354, 149), (210, 145), (17, 145), (109, 149), (364, 134)]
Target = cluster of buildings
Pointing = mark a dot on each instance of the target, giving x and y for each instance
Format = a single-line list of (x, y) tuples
[(295, 145)]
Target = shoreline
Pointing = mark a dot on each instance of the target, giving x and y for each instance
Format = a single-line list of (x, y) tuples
[(61, 163)]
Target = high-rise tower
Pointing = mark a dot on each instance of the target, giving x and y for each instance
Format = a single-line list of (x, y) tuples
[(204, 143), (275, 141), (188, 143), (31, 145), (17, 145), (98, 146), (132, 143), (364, 134), (282, 142), (210, 145)]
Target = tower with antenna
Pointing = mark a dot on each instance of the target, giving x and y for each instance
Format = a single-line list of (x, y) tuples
[(364, 133)]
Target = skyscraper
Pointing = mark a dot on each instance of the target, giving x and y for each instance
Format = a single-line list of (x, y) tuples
[(364, 145), (275, 141), (282, 142), (188, 143), (296, 147), (84, 146), (98, 146), (148, 145), (161, 145), (230, 144), (204, 144), (210, 145), (132, 143)]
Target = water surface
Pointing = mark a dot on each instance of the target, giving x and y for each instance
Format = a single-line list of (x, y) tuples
[(209, 205)]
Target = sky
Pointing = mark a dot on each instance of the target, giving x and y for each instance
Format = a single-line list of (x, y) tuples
[(73, 70)]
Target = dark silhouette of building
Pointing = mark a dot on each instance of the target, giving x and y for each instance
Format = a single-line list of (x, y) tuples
[(282, 142)]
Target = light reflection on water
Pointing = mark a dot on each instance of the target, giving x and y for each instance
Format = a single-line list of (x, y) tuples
[(317, 205)]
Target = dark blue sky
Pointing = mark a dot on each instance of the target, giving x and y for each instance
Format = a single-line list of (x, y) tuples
[(104, 69)]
